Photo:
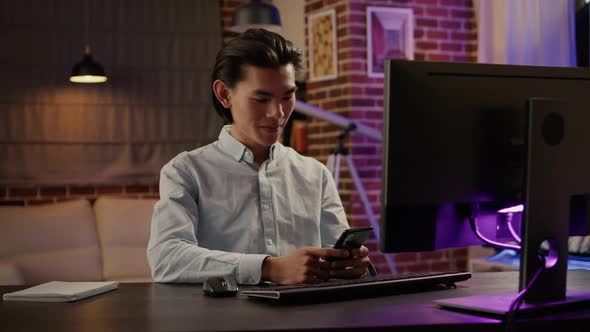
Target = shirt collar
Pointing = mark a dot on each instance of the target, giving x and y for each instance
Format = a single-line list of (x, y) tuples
[(239, 151)]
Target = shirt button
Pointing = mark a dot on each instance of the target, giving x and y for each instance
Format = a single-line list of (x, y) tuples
[(269, 242), (265, 206)]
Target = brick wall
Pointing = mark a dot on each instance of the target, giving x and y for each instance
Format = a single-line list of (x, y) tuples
[(34, 195), (444, 31)]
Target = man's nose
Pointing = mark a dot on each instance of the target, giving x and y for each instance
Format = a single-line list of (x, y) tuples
[(276, 111)]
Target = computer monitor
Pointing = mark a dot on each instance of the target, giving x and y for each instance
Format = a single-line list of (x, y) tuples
[(463, 140)]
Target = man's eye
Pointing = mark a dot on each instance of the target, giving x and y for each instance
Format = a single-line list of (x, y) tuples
[(260, 100), (289, 97)]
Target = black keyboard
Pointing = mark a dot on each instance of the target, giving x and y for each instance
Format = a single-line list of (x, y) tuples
[(358, 288)]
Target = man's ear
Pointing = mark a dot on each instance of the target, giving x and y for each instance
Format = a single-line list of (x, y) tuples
[(222, 93)]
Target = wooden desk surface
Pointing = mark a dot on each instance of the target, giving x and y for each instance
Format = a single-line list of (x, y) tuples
[(160, 307)]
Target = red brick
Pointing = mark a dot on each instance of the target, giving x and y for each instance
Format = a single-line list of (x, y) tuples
[(464, 36), (437, 12), (406, 257), (450, 24), (440, 266), (418, 11), (342, 103), (427, 2), (437, 34), (418, 33), (351, 66), (356, 42), (452, 47), (357, 31), (383, 269), (81, 190), (358, 18), (374, 91), (464, 58), (137, 189), (362, 102), (109, 190), (431, 255), (377, 258), (459, 264), (469, 25), (459, 252), (462, 13), (356, 6), (335, 93), (438, 57), (426, 23), (419, 56), (426, 45), (456, 3), (471, 48), (23, 192), (313, 6), (319, 95), (370, 150), (413, 268)]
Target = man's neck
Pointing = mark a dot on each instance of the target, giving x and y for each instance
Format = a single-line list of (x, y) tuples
[(261, 156)]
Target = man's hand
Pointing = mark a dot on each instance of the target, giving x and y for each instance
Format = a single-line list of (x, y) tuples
[(352, 268), (304, 266)]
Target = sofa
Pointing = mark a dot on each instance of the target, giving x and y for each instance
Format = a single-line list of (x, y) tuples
[(76, 241)]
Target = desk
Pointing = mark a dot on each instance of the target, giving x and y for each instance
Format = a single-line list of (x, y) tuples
[(159, 307)]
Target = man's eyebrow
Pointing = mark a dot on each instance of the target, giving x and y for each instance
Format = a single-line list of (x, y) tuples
[(290, 91), (269, 94), (263, 93)]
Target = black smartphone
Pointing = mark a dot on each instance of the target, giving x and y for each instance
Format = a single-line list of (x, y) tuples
[(352, 238)]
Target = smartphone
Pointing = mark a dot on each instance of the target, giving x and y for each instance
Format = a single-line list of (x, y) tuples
[(352, 238)]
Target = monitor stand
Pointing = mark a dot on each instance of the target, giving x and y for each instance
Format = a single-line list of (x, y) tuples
[(554, 136)]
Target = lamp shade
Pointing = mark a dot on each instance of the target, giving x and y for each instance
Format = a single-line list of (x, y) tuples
[(256, 14), (88, 71)]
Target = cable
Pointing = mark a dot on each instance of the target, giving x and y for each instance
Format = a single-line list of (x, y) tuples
[(511, 229), (475, 229), (517, 302)]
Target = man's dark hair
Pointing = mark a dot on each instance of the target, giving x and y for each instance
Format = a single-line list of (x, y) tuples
[(256, 47)]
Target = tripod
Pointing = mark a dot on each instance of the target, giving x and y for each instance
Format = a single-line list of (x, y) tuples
[(334, 164)]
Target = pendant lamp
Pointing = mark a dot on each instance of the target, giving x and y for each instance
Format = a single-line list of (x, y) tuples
[(87, 70), (256, 14)]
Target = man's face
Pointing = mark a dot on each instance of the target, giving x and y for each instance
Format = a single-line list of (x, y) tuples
[(261, 104)]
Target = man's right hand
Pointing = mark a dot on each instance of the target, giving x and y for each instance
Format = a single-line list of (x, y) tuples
[(303, 266)]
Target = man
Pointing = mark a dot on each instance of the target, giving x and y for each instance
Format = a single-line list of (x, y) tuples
[(246, 205)]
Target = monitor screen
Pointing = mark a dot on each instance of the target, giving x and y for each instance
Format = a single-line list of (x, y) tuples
[(455, 140)]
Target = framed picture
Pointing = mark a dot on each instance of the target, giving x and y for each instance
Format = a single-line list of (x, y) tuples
[(390, 35), (323, 60)]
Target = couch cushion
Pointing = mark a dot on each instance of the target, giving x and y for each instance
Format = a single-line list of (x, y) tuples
[(123, 226), (10, 274), (51, 242)]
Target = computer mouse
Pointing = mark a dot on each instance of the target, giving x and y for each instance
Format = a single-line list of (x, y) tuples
[(220, 286)]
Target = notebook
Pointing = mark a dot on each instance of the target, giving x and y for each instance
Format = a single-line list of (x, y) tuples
[(60, 291)]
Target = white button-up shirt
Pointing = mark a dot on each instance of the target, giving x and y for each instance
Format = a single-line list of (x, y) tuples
[(221, 214)]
